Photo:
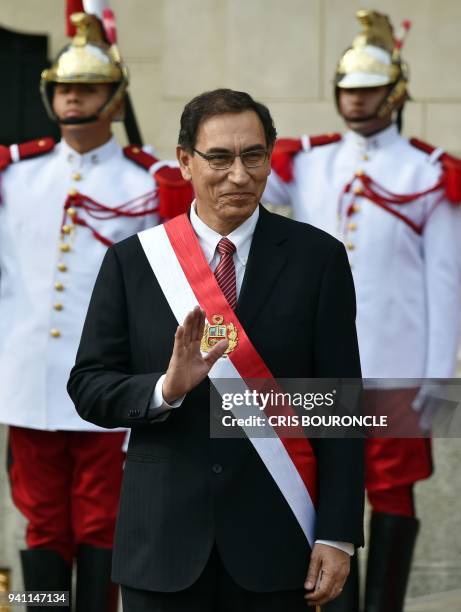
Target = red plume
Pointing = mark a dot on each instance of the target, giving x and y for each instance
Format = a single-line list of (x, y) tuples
[(110, 28), (404, 29), (72, 6)]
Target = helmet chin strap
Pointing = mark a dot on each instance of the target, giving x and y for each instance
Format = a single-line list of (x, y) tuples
[(361, 120), (78, 120)]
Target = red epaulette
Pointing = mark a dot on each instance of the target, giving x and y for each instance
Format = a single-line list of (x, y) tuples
[(5, 157), (422, 146), (451, 169), (282, 157), (286, 148), (25, 150), (139, 156), (324, 139), (175, 194)]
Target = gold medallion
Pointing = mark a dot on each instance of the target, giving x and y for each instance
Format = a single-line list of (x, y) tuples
[(218, 331)]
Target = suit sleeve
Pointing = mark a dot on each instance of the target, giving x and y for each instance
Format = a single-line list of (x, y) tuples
[(340, 461), (442, 254), (101, 384)]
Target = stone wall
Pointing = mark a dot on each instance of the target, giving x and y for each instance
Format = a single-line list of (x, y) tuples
[(284, 53)]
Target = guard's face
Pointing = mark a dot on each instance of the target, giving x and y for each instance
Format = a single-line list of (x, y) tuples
[(226, 197), (358, 106), (79, 100)]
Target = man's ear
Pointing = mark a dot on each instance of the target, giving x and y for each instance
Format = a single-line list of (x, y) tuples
[(184, 158), (270, 150)]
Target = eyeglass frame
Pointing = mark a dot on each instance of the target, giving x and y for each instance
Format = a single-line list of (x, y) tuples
[(207, 157)]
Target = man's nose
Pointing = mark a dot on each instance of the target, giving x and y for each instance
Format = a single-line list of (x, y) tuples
[(238, 173), (72, 94), (357, 95)]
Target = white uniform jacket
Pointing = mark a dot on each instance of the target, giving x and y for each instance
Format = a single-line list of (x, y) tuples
[(407, 281), (46, 275)]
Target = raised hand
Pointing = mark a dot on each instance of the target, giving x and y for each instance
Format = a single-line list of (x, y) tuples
[(187, 367)]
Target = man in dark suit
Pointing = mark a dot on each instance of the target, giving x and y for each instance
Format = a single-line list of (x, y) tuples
[(202, 523)]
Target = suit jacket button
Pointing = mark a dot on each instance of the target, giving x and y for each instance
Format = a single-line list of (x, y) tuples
[(217, 468)]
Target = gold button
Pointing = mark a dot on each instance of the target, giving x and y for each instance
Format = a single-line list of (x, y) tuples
[(62, 267), (77, 176), (358, 190), (41, 143), (66, 229), (71, 212), (135, 150), (365, 157), (59, 286), (350, 246), (55, 333), (355, 208), (64, 248), (352, 226), (359, 172), (58, 306), (72, 192)]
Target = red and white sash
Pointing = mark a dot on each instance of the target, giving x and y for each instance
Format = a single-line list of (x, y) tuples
[(181, 269)]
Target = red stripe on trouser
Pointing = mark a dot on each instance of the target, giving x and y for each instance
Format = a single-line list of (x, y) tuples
[(397, 500), (67, 485)]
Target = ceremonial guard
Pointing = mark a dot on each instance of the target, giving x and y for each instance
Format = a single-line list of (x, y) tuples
[(61, 206), (393, 202)]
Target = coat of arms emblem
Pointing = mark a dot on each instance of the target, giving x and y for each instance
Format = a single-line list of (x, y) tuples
[(218, 331)]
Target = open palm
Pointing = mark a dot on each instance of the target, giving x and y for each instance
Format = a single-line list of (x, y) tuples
[(188, 367)]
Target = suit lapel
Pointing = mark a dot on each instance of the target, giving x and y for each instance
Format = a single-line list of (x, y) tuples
[(267, 257)]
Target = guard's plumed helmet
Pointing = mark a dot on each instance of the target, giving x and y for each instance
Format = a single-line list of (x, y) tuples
[(374, 60), (87, 59)]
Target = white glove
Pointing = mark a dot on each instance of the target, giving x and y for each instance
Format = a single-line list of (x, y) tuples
[(428, 400)]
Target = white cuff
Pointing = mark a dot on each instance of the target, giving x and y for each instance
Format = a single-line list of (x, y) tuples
[(159, 409), (346, 547)]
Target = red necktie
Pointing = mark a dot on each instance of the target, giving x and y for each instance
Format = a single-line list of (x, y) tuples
[(225, 271)]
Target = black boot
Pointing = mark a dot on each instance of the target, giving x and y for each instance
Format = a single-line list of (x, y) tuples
[(95, 590), (45, 570), (392, 541), (348, 601)]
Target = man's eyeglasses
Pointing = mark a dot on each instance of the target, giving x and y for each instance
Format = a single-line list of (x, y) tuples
[(223, 161)]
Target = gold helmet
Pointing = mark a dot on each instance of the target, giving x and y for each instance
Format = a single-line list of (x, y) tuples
[(374, 60), (87, 59)]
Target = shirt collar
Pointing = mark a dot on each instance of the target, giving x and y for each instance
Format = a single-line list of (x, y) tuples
[(95, 156), (241, 236), (373, 143)]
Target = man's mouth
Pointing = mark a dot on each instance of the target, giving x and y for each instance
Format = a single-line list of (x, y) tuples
[(238, 195), (72, 113), (358, 117)]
